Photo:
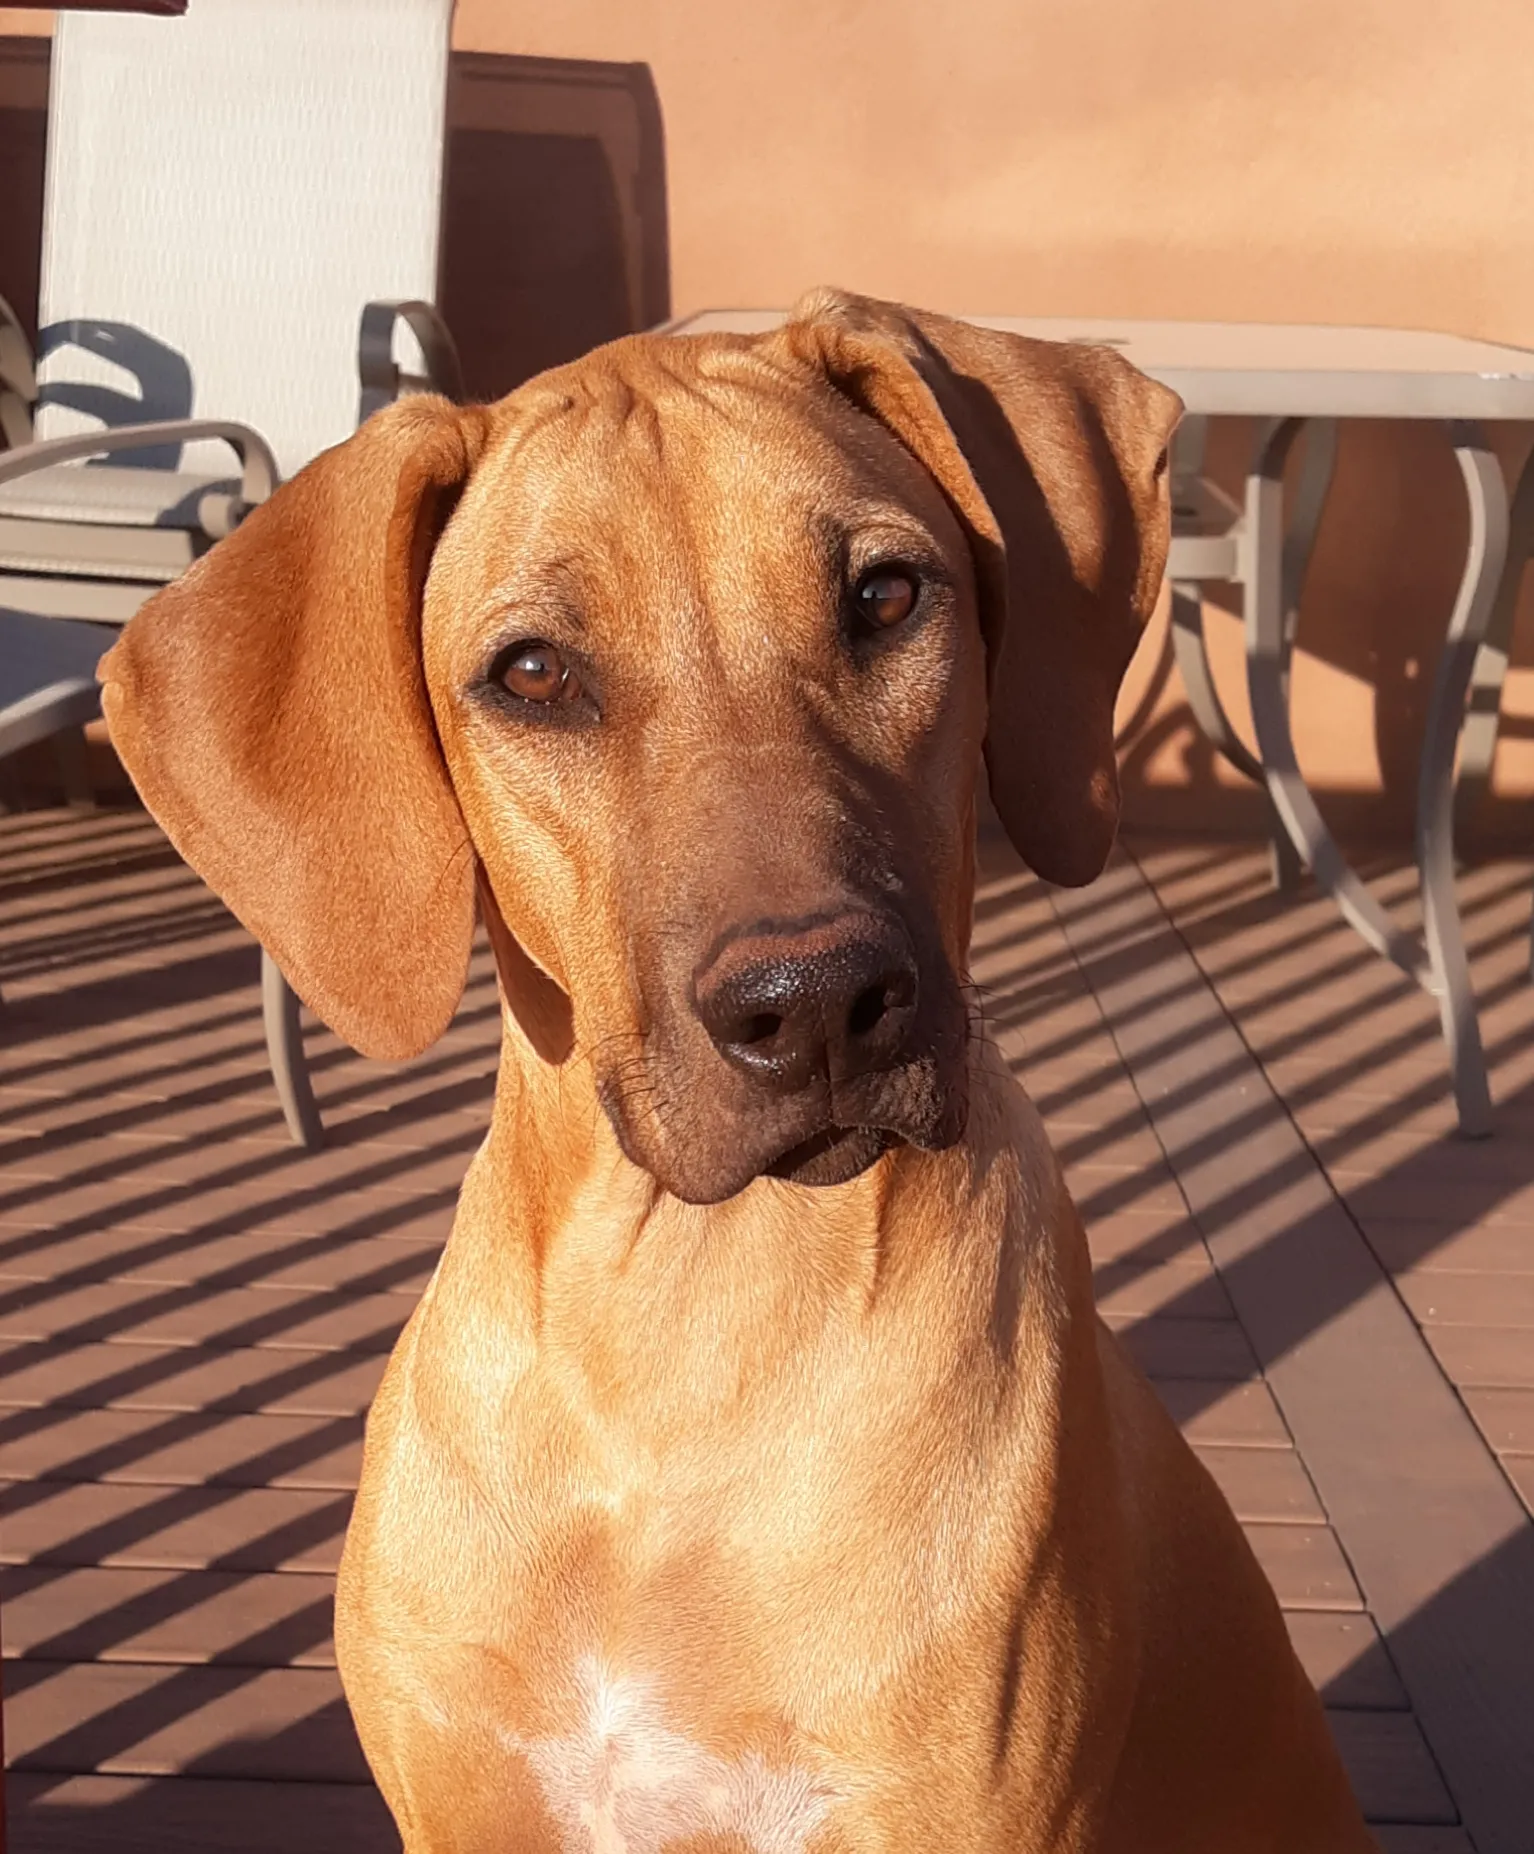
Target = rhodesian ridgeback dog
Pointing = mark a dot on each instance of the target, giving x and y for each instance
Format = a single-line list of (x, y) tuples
[(755, 1475)]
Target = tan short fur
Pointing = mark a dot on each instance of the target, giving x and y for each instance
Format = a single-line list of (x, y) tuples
[(706, 1511)]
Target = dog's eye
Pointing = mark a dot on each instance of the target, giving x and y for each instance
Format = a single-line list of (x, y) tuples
[(885, 596), (537, 672)]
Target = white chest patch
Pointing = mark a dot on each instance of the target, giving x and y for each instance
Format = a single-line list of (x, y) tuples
[(623, 1783)]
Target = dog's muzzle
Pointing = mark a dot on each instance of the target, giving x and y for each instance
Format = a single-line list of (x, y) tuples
[(827, 1021)]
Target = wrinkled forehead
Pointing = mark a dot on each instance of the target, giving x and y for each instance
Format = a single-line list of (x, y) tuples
[(660, 451)]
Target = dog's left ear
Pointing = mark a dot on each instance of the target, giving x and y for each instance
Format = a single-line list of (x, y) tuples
[(1054, 457)]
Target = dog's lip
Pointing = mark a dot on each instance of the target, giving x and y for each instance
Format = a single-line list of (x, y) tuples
[(833, 1155)]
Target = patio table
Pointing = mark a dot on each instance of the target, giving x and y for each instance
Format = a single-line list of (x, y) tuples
[(1295, 379)]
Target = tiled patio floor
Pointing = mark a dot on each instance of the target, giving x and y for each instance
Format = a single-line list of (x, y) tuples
[(1335, 1296)]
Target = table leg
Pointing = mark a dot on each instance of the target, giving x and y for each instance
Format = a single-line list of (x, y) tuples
[(1306, 506), (1267, 634), (1191, 652), (1478, 741), (1189, 647), (1439, 967), (1316, 465), (1486, 492)]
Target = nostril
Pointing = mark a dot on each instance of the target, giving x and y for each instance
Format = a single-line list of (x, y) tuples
[(868, 1008), (821, 1002), (877, 1006)]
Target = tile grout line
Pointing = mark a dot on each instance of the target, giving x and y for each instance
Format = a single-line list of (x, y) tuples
[(1442, 1557)]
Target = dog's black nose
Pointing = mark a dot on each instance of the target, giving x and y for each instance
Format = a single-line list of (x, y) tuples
[(831, 998)]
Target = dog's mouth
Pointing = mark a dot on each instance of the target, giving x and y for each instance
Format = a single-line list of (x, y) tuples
[(833, 1155), (704, 1131)]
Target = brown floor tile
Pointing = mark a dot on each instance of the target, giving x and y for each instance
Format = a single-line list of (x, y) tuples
[(187, 1378), (138, 1815), (1144, 1236), (1484, 1355), (1342, 1653), (1441, 1299), (1101, 1191), (282, 1724), (1398, 1839), (156, 1448), (1174, 1348), (184, 1618), (177, 1528), (1186, 1290), (1438, 1200), (1392, 1770), (1520, 1471), (127, 1313), (1505, 1418), (196, 1258), (1305, 1566), (1267, 1484), (1225, 1415), (1428, 1248)]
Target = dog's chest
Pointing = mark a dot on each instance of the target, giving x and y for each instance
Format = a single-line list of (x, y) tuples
[(624, 1781)]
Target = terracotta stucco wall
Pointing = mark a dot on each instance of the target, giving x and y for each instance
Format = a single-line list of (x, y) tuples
[(1368, 161), (1304, 160)]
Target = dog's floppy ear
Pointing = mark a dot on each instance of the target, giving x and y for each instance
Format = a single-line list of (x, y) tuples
[(271, 708), (1054, 457)]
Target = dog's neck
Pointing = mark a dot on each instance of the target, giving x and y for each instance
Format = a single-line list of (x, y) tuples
[(564, 1244)]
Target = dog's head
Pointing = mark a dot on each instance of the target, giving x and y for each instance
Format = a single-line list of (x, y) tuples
[(686, 657)]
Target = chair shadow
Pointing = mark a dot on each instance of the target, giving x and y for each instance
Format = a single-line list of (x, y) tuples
[(163, 377)]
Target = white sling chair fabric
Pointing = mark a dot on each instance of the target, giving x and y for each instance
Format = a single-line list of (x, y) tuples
[(228, 189), (225, 191)]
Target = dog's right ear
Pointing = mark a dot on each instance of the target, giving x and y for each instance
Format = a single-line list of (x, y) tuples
[(271, 708)]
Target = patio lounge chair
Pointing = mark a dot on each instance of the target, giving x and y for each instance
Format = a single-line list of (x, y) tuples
[(227, 193)]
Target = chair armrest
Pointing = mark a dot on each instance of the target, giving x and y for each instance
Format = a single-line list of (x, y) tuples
[(383, 381), (219, 514), (72, 701), (18, 380)]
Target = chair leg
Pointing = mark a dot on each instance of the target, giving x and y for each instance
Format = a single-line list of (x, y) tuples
[(285, 1051), (1286, 870)]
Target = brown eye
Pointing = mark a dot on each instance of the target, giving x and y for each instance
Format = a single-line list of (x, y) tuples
[(538, 673), (885, 596)]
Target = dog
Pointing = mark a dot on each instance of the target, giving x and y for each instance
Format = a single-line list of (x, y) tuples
[(755, 1475)]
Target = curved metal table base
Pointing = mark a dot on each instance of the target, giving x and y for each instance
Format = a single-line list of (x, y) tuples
[(1317, 463), (1439, 965), (1192, 656), (1478, 740), (285, 1052)]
